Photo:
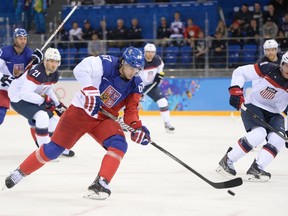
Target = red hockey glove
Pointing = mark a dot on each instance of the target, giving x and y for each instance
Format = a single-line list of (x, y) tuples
[(49, 103), (236, 97), (92, 100), (141, 136), (60, 109)]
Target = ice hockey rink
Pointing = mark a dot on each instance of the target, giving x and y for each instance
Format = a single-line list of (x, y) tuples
[(148, 182)]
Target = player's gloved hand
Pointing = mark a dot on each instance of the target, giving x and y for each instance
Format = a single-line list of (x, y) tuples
[(92, 100), (49, 103), (6, 80), (141, 136), (37, 56), (158, 78), (60, 109), (236, 97)]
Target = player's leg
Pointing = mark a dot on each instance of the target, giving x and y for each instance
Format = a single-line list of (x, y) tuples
[(162, 103), (113, 140)]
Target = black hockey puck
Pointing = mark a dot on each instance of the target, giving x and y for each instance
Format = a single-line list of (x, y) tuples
[(231, 193)]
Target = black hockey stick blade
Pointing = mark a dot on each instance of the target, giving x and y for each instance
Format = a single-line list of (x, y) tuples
[(218, 185)]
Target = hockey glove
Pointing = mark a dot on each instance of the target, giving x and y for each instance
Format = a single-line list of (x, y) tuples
[(49, 103), (60, 109), (236, 97), (37, 56), (6, 80), (92, 100), (158, 78), (141, 136)]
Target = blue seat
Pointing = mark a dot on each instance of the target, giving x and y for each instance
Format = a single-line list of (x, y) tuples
[(114, 51), (249, 53), (83, 53), (185, 55), (234, 54), (171, 55)]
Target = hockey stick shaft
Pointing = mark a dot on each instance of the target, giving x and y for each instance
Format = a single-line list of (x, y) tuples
[(28, 67), (150, 88), (244, 108), (218, 185)]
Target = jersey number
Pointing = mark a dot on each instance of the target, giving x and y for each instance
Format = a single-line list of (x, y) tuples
[(36, 73)]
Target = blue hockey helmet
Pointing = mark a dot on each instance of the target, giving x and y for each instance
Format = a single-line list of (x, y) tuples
[(20, 32), (134, 57)]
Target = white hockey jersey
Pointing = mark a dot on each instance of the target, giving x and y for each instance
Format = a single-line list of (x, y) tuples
[(270, 92), (151, 69), (32, 85)]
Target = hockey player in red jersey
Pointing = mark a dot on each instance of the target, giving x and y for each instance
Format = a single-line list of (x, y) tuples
[(107, 82), (267, 99)]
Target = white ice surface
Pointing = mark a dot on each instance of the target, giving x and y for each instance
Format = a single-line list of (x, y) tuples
[(148, 182)]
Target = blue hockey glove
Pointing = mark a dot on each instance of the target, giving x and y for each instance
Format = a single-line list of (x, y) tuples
[(6, 80), (37, 56), (141, 136), (93, 101), (236, 97)]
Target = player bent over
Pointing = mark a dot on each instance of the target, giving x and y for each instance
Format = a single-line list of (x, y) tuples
[(268, 98), (105, 81), (32, 96)]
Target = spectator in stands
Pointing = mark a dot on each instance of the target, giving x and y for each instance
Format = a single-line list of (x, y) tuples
[(221, 27), (270, 13), (103, 32), (252, 31), (135, 33), (243, 17), (257, 13), (96, 46), (23, 7), (270, 29), (177, 30), (75, 35), (120, 34), (283, 41), (163, 33), (284, 24), (39, 8), (218, 51), (63, 36), (236, 33), (87, 31), (280, 6), (191, 32), (200, 50)]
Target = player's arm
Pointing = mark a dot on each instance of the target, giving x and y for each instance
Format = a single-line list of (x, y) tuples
[(28, 93)]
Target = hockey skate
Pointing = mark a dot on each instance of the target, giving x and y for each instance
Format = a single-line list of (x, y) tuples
[(169, 128), (13, 179), (254, 173), (68, 153), (99, 189), (226, 167)]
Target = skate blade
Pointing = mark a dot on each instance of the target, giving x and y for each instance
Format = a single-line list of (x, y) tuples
[(170, 132), (222, 172), (252, 178), (92, 195)]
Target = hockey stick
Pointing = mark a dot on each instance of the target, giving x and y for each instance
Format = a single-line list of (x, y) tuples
[(28, 67), (218, 185), (244, 108), (150, 88)]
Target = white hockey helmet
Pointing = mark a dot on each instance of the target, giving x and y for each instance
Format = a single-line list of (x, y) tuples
[(284, 59), (269, 44), (52, 53), (149, 47)]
